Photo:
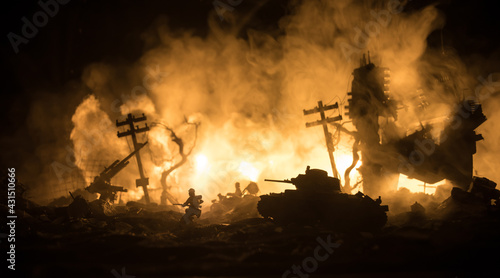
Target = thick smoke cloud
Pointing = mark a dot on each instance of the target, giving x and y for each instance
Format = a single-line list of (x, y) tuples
[(248, 92)]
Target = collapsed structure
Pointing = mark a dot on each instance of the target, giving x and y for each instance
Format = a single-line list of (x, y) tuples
[(387, 151)]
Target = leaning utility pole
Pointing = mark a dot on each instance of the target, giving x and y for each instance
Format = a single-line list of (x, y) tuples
[(143, 181), (324, 121)]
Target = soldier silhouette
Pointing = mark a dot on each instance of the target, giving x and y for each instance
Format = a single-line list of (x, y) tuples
[(237, 191), (194, 204)]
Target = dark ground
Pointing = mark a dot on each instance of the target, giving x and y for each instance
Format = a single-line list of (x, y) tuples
[(149, 241)]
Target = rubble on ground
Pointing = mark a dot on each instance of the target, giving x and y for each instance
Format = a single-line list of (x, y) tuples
[(89, 239)]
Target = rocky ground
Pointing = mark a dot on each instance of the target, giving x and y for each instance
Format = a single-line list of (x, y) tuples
[(136, 240)]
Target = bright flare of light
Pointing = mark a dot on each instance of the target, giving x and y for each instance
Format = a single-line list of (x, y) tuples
[(247, 170), (415, 185), (343, 161), (157, 170), (201, 163)]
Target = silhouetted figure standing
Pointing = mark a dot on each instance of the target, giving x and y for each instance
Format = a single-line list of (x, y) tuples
[(237, 191)]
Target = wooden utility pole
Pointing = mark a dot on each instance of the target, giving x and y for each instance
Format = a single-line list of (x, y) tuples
[(324, 121), (143, 181)]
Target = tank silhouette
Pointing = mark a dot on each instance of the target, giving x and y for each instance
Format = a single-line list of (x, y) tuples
[(318, 200)]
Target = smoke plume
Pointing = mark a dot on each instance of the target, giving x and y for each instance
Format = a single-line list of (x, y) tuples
[(248, 92)]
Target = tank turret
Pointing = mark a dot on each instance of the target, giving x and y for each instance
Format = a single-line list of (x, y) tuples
[(314, 180)]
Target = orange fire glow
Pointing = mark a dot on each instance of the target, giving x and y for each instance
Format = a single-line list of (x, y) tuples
[(248, 97), (418, 186)]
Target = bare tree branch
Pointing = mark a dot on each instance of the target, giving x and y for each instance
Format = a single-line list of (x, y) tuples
[(184, 156)]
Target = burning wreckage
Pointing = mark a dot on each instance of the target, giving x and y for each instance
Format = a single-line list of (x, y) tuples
[(386, 153), (283, 221), (319, 198)]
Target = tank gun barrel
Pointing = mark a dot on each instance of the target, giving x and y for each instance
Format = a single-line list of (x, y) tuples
[(283, 181)]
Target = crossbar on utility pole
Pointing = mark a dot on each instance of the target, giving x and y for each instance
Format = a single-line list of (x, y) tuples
[(324, 121), (132, 131)]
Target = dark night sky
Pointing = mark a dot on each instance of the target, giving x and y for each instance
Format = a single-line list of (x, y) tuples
[(83, 32)]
